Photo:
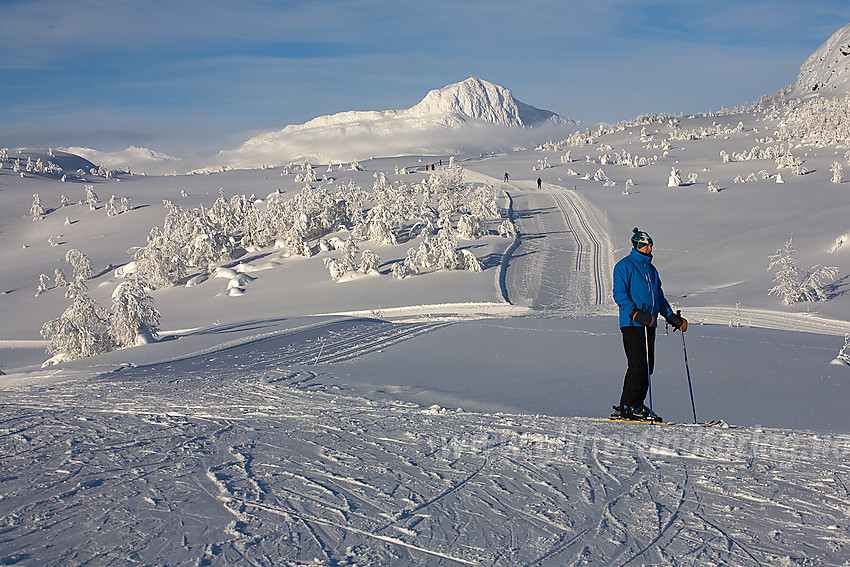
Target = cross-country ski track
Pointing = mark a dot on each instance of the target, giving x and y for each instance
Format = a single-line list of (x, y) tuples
[(563, 256)]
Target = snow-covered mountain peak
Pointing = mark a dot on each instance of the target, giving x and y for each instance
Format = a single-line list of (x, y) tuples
[(482, 100), (470, 116), (827, 70)]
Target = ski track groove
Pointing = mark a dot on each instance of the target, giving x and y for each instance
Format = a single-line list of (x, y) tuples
[(596, 268)]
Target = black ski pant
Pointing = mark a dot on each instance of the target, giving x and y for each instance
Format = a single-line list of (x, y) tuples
[(636, 383)]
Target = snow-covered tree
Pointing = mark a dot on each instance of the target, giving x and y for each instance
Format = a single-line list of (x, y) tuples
[(407, 267), (378, 225), (111, 207), (844, 354), (349, 250), (43, 284), (82, 330), (255, 229), (469, 262), (36, 210), (91, 197), (787, 277), (81, 263), (369, 262), (675, 179), (161, 261), (59, 278), (133, 318), (202, 242), (335, 268), (341, 266), (481, 202), (713, 187), (837, 172), (508, 229), (471, 226), (401, 270), (440, 252)]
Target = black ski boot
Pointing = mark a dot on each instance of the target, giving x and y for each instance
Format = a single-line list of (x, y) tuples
[(623, 412), (643, 413)]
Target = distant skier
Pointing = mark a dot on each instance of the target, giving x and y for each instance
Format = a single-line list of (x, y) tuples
[(637, 291), (539, 183), (506, 177)]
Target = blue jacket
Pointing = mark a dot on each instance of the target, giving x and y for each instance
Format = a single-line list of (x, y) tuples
[(636, 283)]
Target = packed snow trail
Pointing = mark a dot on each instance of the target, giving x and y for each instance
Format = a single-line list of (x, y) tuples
[(214, 461), (563, 256)]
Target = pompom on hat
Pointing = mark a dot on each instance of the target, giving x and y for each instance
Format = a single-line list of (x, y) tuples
[(640, 239)]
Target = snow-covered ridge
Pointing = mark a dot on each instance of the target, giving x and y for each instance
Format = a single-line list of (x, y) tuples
[(827, 70)]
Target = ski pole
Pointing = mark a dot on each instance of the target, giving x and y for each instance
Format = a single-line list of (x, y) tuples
[(688, 372), (648, 372)]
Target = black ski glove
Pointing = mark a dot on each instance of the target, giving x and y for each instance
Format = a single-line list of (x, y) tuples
[(676, 321), (642, 317)]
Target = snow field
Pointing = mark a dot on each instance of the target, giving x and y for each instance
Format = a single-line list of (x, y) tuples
[(271, 467)]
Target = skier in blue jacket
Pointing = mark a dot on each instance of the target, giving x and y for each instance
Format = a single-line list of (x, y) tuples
[(637, 291)]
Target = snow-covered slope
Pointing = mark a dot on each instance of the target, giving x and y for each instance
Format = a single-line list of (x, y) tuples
[(827, 70), (133, 158), (50, 162), (466, 117)]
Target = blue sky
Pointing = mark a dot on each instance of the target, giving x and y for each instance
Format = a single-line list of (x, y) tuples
[(190, 77)]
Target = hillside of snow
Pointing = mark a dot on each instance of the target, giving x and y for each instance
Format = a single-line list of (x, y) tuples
[(827, 71), (449, 416)]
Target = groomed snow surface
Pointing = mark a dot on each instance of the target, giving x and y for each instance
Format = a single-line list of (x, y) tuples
[(445, 418)]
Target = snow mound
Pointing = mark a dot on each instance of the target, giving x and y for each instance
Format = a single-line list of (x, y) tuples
[(827, 70), (128, 158)]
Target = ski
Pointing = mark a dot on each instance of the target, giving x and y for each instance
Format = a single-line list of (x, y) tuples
[(712, 423)]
